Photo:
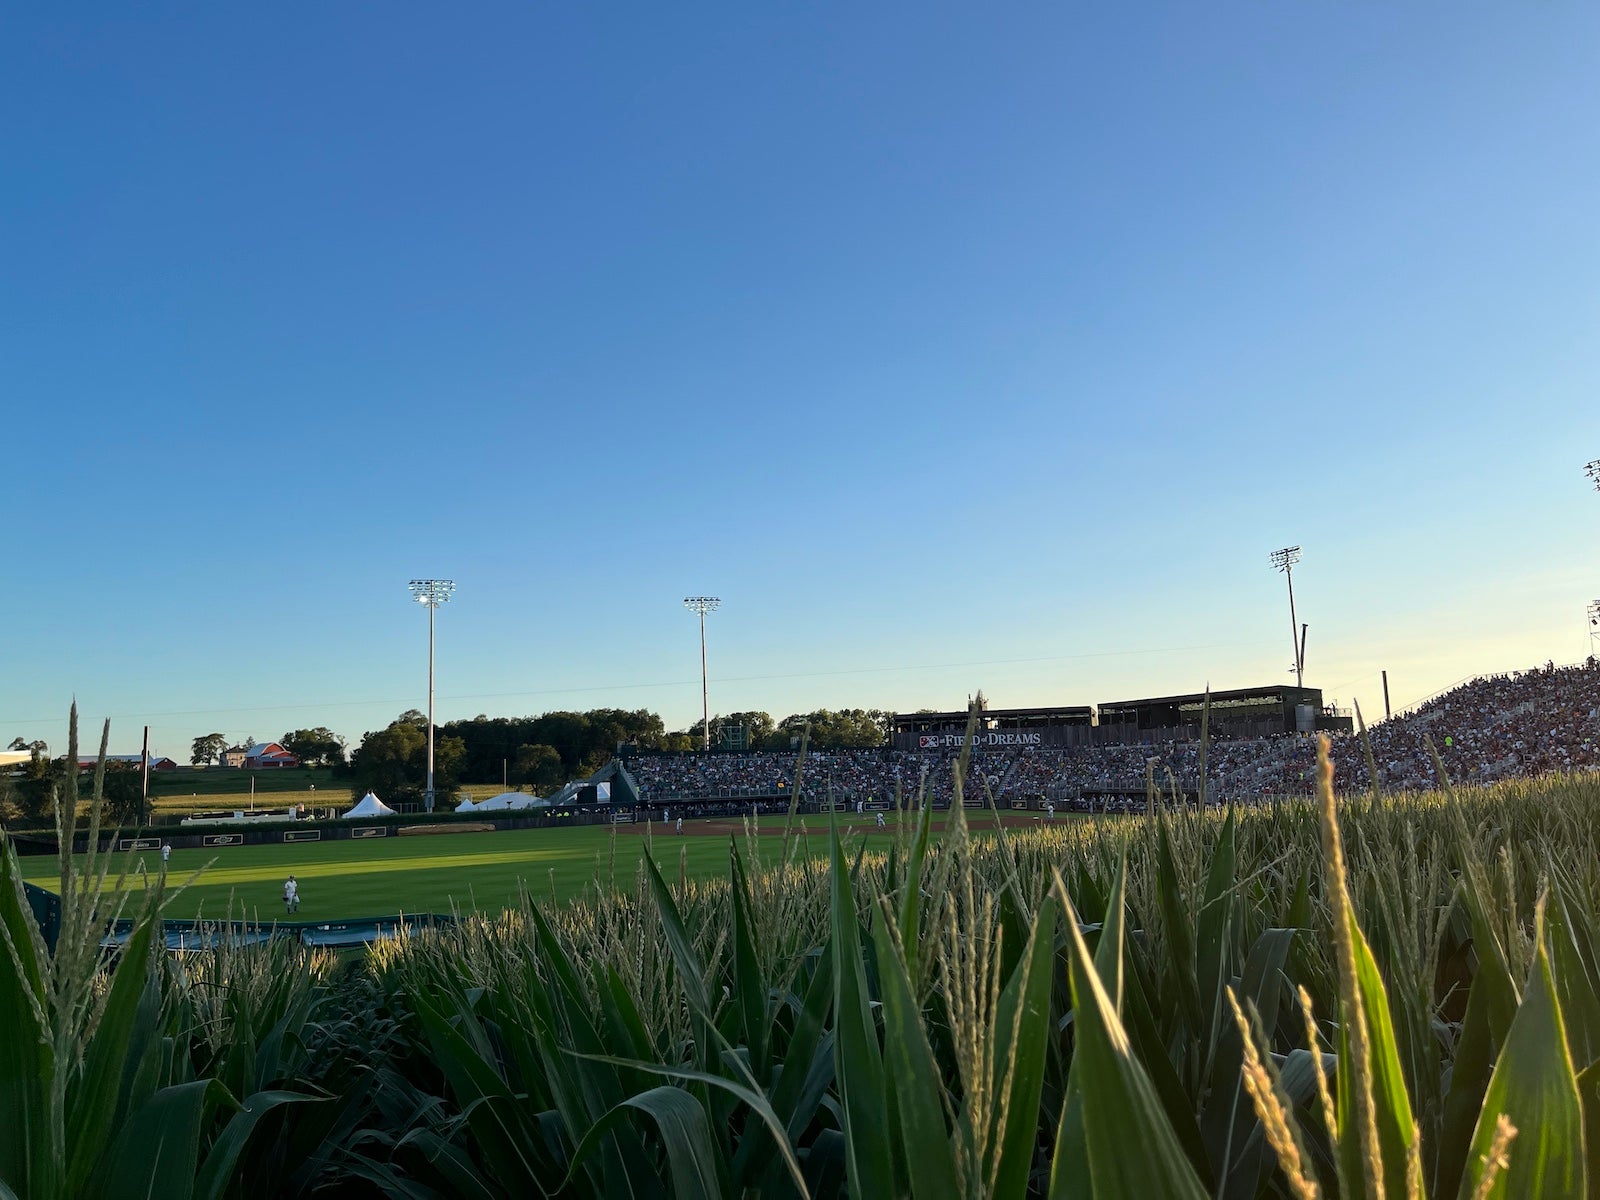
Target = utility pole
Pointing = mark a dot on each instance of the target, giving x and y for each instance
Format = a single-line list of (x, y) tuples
[(1284, 560), (144, 786), (432, 593), (1385, 695), (703, 605)]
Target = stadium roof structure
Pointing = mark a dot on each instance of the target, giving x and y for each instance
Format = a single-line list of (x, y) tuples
[(1284, 691), (992, 718), (1271, 701)]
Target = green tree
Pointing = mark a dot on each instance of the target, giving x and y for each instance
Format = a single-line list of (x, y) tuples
[(207, 749), (124, 795), (540, 767), (844, 729), (35, 784), (393, 763), (758, 729), (319, 747)]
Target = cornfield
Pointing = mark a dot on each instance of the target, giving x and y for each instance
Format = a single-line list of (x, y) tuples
[(1374, 996)]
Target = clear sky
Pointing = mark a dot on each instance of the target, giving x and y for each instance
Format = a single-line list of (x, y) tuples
[(952, 345)]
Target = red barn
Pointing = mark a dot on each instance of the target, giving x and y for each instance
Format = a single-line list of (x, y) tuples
[(264, 755)]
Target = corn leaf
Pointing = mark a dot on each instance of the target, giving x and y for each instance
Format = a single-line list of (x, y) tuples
[(1533, 1085), (158, 1149), (217, 1171), (858, 1062), (694, 1166), (913, 1075), (751, 989), (1392, 1105), (25, 1066), (1022, 1032), (1118, 1096)]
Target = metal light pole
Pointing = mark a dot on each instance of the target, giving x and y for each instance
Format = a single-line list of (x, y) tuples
[(703, 605), (1284, 560), (432, 593), (1594, 624)]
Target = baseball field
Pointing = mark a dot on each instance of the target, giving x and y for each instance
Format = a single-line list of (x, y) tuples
[(436, 874)]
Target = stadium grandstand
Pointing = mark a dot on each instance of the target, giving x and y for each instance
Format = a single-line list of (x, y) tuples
[(1491, 728)]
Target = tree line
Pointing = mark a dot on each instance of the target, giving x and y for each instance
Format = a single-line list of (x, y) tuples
[(546, 751), (537, 752)]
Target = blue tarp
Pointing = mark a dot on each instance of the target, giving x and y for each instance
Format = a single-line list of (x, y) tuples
[(190, 936)]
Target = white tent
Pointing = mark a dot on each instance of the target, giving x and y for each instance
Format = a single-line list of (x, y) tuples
[(369, 806), (467, 806), (506, 800)]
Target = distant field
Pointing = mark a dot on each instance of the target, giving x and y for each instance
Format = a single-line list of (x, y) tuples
[(190, 789), (430, 873)]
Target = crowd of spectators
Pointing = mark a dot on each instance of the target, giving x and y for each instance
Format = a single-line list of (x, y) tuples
[(1526, 723), (1496, 727)]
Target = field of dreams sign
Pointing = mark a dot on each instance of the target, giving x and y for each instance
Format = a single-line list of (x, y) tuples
[(984, 738)]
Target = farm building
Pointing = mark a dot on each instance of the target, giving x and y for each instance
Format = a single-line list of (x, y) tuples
[(86, 762), (259, 756)]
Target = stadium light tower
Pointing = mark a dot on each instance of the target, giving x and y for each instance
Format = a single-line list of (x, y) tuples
[(703, 605), (1284, 560), (1592, 470), (432, 593), (1594, 625)]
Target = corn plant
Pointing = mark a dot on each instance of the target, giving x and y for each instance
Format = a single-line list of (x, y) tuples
[(95, 1085)]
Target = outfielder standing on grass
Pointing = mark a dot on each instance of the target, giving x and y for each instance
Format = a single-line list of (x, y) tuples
[(291, 895)]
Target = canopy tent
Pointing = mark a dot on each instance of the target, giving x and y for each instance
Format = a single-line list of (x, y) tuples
[(466, 806), (369, 806)]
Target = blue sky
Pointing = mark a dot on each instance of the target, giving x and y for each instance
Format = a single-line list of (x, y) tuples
[(954, 346)]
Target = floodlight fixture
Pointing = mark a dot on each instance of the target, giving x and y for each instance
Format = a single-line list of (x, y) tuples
[(431, 593), (1592, 470), (702, 605), (1284, 560)]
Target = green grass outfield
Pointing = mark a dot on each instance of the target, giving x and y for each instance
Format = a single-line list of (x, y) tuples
[(380, 877)]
